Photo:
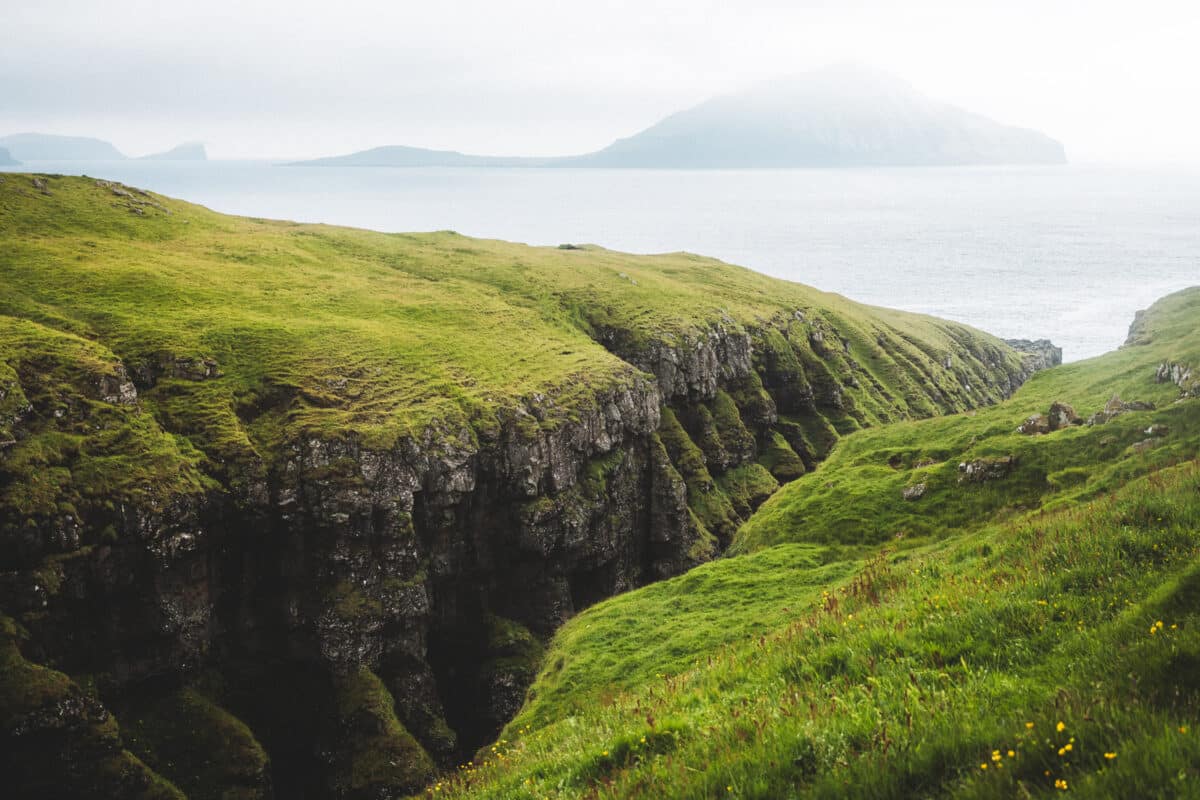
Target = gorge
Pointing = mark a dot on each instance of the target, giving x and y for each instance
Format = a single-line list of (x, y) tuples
[(292, 509)]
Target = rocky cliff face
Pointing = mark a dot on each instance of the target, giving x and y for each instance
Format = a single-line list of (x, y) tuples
[(427, 571)]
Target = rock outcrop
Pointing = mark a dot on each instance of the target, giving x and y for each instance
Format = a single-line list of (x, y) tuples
[(1061, 415), (1115, 407), (982, 470), (1041, 353), (1181, 376)]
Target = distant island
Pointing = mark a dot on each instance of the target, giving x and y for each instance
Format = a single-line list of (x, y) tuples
[(49, 147), (842, 116), (192, 151), (20, 147)]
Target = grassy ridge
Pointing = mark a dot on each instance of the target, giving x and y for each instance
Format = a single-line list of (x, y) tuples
[(1000, 650), (243, 334)]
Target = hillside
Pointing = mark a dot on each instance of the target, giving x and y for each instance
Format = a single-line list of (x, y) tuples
[(840, 116), (1034, 632), (6, 159), (50, 147), (246, 461)]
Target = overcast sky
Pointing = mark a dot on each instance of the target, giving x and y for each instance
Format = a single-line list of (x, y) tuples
[(1115, 81)]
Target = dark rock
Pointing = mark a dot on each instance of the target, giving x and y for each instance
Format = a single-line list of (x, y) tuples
[(1035, 424), (981, 470)]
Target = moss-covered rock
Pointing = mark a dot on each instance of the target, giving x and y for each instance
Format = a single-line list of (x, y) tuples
[(58, 740), (202, 748), (374, 756)]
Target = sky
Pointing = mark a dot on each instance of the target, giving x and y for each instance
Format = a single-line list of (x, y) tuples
[(1115, 81)]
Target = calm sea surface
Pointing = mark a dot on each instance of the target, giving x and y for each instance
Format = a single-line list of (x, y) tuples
[(1066, 253)]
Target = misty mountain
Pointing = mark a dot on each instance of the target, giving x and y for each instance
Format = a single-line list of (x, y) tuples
[(191, 151), (835, 117), (49, 147), (6, 159), (839, 116)]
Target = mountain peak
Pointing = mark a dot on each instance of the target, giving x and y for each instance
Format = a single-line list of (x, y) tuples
[(838, 116)]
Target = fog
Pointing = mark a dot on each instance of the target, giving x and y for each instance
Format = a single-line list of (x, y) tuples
[(1114, 81)]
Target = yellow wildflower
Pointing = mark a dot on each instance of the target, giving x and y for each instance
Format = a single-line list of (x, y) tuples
[(1110, 756), (1029, 725), (1060, 727)]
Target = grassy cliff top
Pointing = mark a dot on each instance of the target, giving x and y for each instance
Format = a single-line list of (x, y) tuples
[(251, 330)]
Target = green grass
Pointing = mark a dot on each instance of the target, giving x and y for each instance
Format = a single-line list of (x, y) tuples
[(829, 659)]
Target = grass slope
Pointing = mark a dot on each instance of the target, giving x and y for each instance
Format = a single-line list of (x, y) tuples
[(1006, 652), (855, 496)]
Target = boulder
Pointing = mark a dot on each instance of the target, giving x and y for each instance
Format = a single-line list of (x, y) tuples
[(1062, 416), (914, 492)]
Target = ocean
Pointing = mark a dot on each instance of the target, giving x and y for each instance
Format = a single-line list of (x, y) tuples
[(1064, 253)]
